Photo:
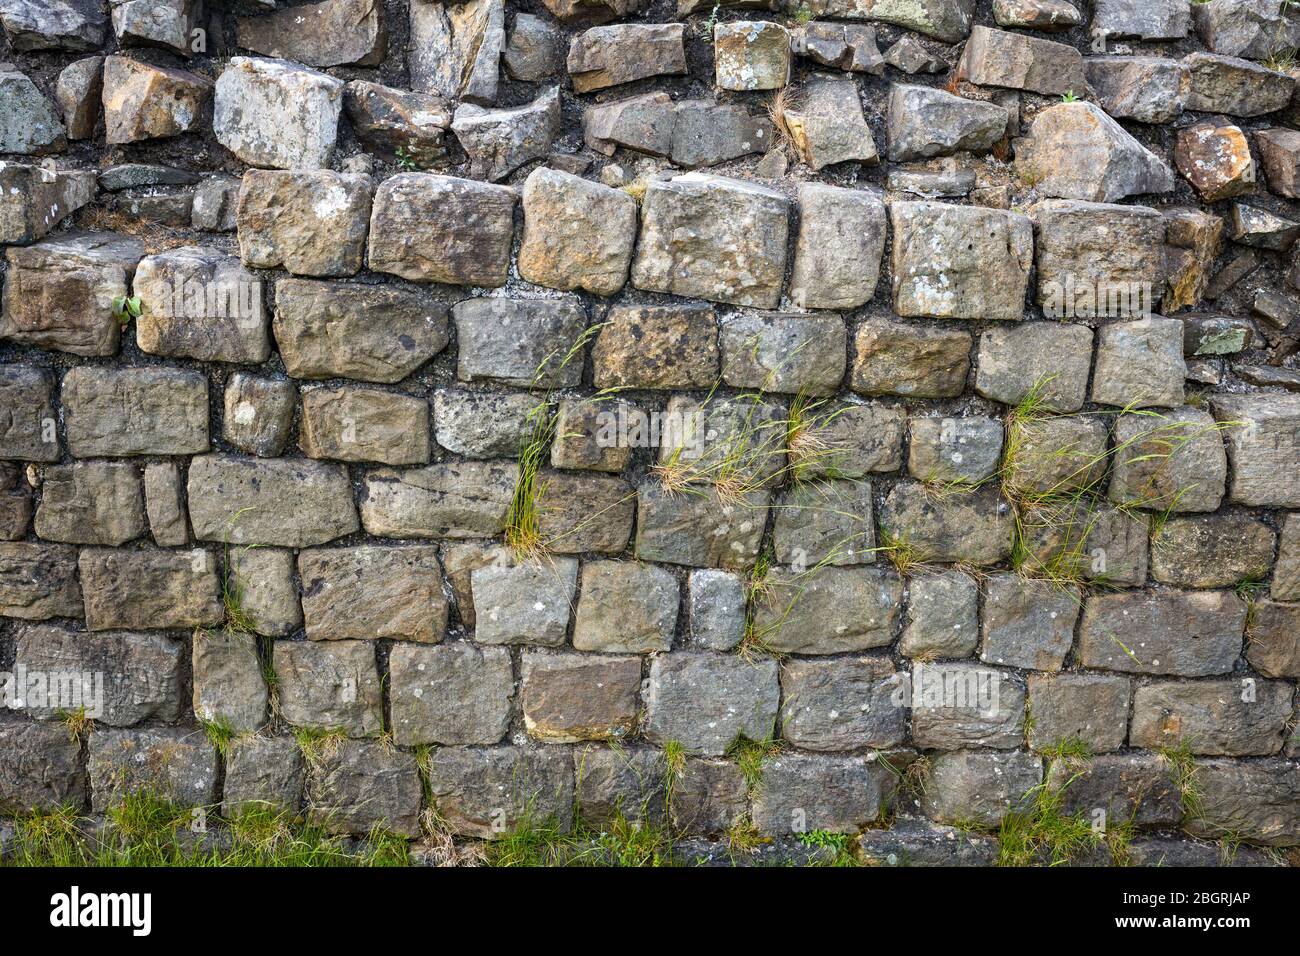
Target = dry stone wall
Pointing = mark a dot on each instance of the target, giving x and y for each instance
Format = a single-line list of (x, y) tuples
[(752, 420)]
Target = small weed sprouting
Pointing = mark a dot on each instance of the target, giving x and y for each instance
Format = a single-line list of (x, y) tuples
[(1069, 97), (219, 734), (750, 755), (839, 845), (126, 308), (1182, 763), (1039, 831), (78, 724), (705, 29)]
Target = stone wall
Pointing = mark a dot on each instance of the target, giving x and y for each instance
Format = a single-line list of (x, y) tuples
[(863, 418)]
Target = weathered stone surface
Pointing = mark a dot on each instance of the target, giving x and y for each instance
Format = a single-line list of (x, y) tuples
[(716, 606), (666, 347), (1142, 19), (847, 440), (1262, 432), (118, 678), (691, 132), (568, 698), (1224, 84), (164, 506), (33, 199), (1286, 574), (200, 303), (216, 204), (716, 238), (911, 56), (946, 20), (1216, 159), (827, 610), (274, 114), (609, 55), (53, 24), (391, 119), (429, 228), (1140, 789), (228, 685), (525, 602), (519, 341), (27, 423), (135, 411), (961, 705), (947, 450), (293, 504), (455, 500), (926, 122), (312, 223), (1076, 151), (1219, 718), (1256, 29), (1091, 709), (142, 101), (1098, 260), (1148, 89), (39, 581), (1256, 800), (91, 502), (535, 49), (324, 330), (1193, 241), (1280, 150), (838, 249), (329, 33), (1054, 457), (490, 425), (485, 792), (825, 522), (942, 616), (979, 786), (500, 141), (1273, 647), (162, 23), (699, 529), (59, 293), (836, 794), (784, 352), (827, 126), (1036, 14), (578, 513), (1184, 633), (577, 234), (455, 48), (1211, 551), (910, 842), (1174, 461), (616, 784), (329, 686), (1016, 61), (263, 580), (1027, 624), (40, 768), (1054, 358), (625, 607), (373, 592), (1100, 543), (258, 413), (751, 55), (705, 701), (357, 424), (455, 694), (360, 784), (960, 262), (846, 46), (30, 124), (175, 764), (813, 712), (1140, 364), (970, 526), (262, 771), (144, 590), (709, 796), (1253, 226)]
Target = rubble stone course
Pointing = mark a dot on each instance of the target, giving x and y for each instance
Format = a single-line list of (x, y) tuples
[(752, 421)]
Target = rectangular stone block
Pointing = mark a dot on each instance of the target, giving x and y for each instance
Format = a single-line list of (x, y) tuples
[(1091, 709), (525, 602), (151, 410), (454, 694), (568, 698), (706, 701), (804, 792), (960, 705), (361, 424), (373, 592), (625, 607), (1184, 633), (177, 764), (486, 792), (814, 694), (468, 499), (28, 427), (1226, 718), (1262, 432), (529, 342), (362, 784), (329, 686), (39, 581), (827, 610), (40, 768)]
